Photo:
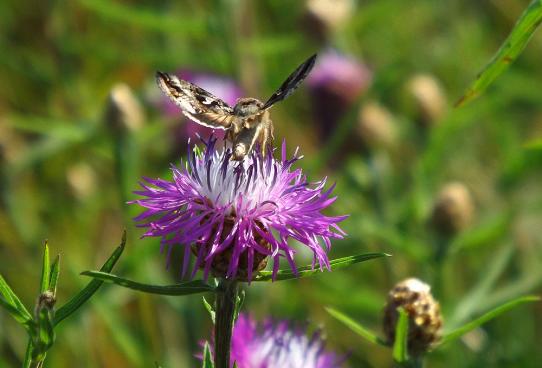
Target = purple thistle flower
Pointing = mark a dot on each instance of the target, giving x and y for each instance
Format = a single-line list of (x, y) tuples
[(278, 345), (336, 82), (234, 215)]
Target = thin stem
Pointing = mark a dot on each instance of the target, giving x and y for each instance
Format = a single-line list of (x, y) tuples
[(28, 354), (226, 297)]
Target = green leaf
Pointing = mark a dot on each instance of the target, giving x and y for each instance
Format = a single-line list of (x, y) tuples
[(45, 270), (508, 52), (144, 17), (210, 309), (306, 271), (16, 314), (476, 297), (16, 307), (207, 356), (400, 345), (53, 279), (356, 327), (80, 298), (185, 288), (487, 317)]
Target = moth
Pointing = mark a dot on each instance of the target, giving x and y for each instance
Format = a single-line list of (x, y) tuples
[(247, 123)]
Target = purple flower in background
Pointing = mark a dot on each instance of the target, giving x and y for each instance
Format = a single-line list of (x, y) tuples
[(234, 215), (336, 82), (278, 345), (222, 87)]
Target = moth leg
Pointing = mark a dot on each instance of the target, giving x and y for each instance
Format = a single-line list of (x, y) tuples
[(266, 138)]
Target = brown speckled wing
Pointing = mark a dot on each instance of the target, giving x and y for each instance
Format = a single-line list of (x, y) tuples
[(196, 103)]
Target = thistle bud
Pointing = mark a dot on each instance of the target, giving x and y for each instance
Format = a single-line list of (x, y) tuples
[(47, 299), (123, 110), (82, 180), (376, 125), (425, 320), (336, 83), (325, 17), (428, 98), (453, 210)]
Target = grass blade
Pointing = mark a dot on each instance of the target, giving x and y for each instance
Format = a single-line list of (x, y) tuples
[(356, 327), (306, 271), (514, 44), (400, 353), (80, 298), (185, 288), (487, 317), (45, 270)]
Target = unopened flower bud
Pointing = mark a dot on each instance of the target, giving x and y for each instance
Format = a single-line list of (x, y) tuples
[(123, 111), (453, 210), (336, 83), (376, 125), (428, 98), (425, 320), (82, 180), (45, 300), (324, 17)]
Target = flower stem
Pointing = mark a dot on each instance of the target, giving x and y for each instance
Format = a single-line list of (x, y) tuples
[(226, 298)]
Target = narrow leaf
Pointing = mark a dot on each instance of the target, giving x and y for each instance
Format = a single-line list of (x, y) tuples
[(45, 269), (53, 279), (16, 314), (356, 327), (12, 299), (400, 353), (239, 301), (185, 288), (508, 52), (210, 309), (306, 271), (487, 317), (207, 356), (80, 298)]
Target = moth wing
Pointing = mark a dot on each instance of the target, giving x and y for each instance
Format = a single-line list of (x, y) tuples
[(196, 103), (291, 83)]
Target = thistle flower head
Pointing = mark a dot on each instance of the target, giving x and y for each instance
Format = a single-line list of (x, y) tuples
[(234, 215), (335, 83), (425, 320), (278, 345)]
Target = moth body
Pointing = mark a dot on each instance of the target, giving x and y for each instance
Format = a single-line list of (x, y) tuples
[(247, 124)]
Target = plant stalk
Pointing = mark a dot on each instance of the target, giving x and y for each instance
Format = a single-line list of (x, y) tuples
[(226, 298)]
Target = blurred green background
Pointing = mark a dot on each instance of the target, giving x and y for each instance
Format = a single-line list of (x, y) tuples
[(393, 145)]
